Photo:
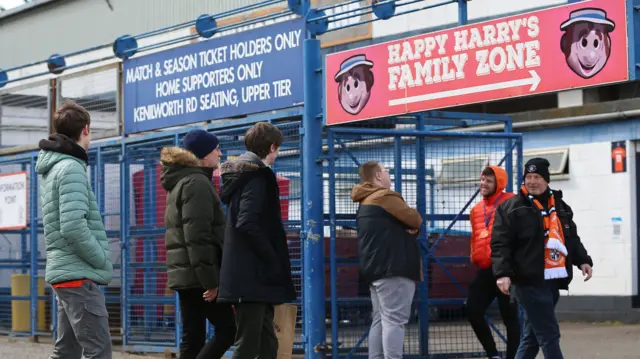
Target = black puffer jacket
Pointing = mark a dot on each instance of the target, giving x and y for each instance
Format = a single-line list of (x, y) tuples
[(517, 241), (256, 265), (194, 221)]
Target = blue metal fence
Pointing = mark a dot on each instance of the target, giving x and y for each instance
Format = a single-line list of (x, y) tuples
[(25, 307), (126, 180), (438, 174), (435, 168)]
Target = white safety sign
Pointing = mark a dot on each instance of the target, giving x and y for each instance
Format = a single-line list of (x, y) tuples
[(13, 200)]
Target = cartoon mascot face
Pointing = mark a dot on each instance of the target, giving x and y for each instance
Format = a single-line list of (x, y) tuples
[(355, 80), (586, 43)]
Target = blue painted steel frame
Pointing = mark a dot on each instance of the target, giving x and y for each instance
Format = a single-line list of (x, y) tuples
[(33, 245), (315, 332), (513, 142), (422, 287), (126, 159), (312, 215)]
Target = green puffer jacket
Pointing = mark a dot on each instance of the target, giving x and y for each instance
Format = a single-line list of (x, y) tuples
[(194, 221), (75, 238)]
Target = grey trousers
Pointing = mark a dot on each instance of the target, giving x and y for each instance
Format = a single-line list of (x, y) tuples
[(83, 324), (391, 299)]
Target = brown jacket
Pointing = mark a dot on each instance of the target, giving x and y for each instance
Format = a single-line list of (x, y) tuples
[(368, 193)]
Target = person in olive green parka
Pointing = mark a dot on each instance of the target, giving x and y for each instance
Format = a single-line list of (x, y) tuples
[(194, 222)]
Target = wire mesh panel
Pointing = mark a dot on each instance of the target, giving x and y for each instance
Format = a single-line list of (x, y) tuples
[(150, 316), (104, 175), (453, 167), (24, 298), (149, 306), (96, 91), (24, 115), (439, 176)]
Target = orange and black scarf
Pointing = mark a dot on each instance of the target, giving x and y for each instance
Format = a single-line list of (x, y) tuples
[(555, 250)]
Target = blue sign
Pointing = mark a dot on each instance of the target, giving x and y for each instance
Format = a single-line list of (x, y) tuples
[(249, 72)]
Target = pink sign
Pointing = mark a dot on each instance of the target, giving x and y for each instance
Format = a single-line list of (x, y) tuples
[(565, 47)]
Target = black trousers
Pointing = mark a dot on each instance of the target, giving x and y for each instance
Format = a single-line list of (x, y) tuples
[(482, 291), (256, 337), (195, 312)]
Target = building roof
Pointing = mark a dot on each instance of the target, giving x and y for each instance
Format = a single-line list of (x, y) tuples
[(13, 7)]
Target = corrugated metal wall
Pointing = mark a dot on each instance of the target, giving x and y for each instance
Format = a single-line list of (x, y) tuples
[(70, 25)]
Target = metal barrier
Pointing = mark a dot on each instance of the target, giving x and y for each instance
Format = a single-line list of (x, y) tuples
[(438, 174), (125, 175), (141, 307), (25, 306)]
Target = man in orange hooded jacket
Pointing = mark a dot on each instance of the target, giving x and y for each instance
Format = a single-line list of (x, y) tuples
[(483, 290)]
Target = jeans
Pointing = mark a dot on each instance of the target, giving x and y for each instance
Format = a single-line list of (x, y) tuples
[(195, 312), (482, 292), (391, 299), (83, 324), (256, 337), (541, 329)]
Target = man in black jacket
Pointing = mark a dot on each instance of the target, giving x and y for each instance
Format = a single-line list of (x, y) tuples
[(534, 244), (194, 223), (256, 269), (389, 257)]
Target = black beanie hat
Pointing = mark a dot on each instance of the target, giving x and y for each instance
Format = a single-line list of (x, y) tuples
[(538, 165), (200, 143)]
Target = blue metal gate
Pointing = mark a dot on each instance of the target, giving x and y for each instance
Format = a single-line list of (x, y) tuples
[(25, 303), (150, 315), (437, 169)]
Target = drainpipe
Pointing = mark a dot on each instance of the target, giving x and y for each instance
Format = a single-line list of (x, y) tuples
[(562, 121)]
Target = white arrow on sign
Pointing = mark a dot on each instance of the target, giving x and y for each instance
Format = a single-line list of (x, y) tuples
[(533, 81)]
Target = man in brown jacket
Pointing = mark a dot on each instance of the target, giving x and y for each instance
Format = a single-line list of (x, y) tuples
[(389, 257)]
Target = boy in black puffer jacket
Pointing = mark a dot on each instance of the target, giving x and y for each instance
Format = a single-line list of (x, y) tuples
[(256, 270)]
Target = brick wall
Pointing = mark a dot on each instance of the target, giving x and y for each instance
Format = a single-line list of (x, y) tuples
[(596, 195)]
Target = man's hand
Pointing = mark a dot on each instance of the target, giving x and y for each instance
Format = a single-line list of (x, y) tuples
[(413, 231), (210, 295), (586, 271), (504, 284)]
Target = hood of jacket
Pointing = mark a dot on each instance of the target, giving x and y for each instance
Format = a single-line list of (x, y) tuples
[(237, 172), (57, 148), (501, 183), (362, 191), (178, 163)]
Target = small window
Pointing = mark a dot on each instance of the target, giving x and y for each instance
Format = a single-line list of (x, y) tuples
[(558, 160), (462, 170)]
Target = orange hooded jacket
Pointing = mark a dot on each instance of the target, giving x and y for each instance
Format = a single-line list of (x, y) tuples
[(481, 239)]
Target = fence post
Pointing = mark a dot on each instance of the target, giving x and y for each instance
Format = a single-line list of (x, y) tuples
[(177, 320), (508, 127), (124, 242), (24, 238), (519, 163), (314, 298), (422, 287), (52, 102), (33, 226), (462, 12)]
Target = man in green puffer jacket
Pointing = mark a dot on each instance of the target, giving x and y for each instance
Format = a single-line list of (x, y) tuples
[(194, 222), (78, 256)]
